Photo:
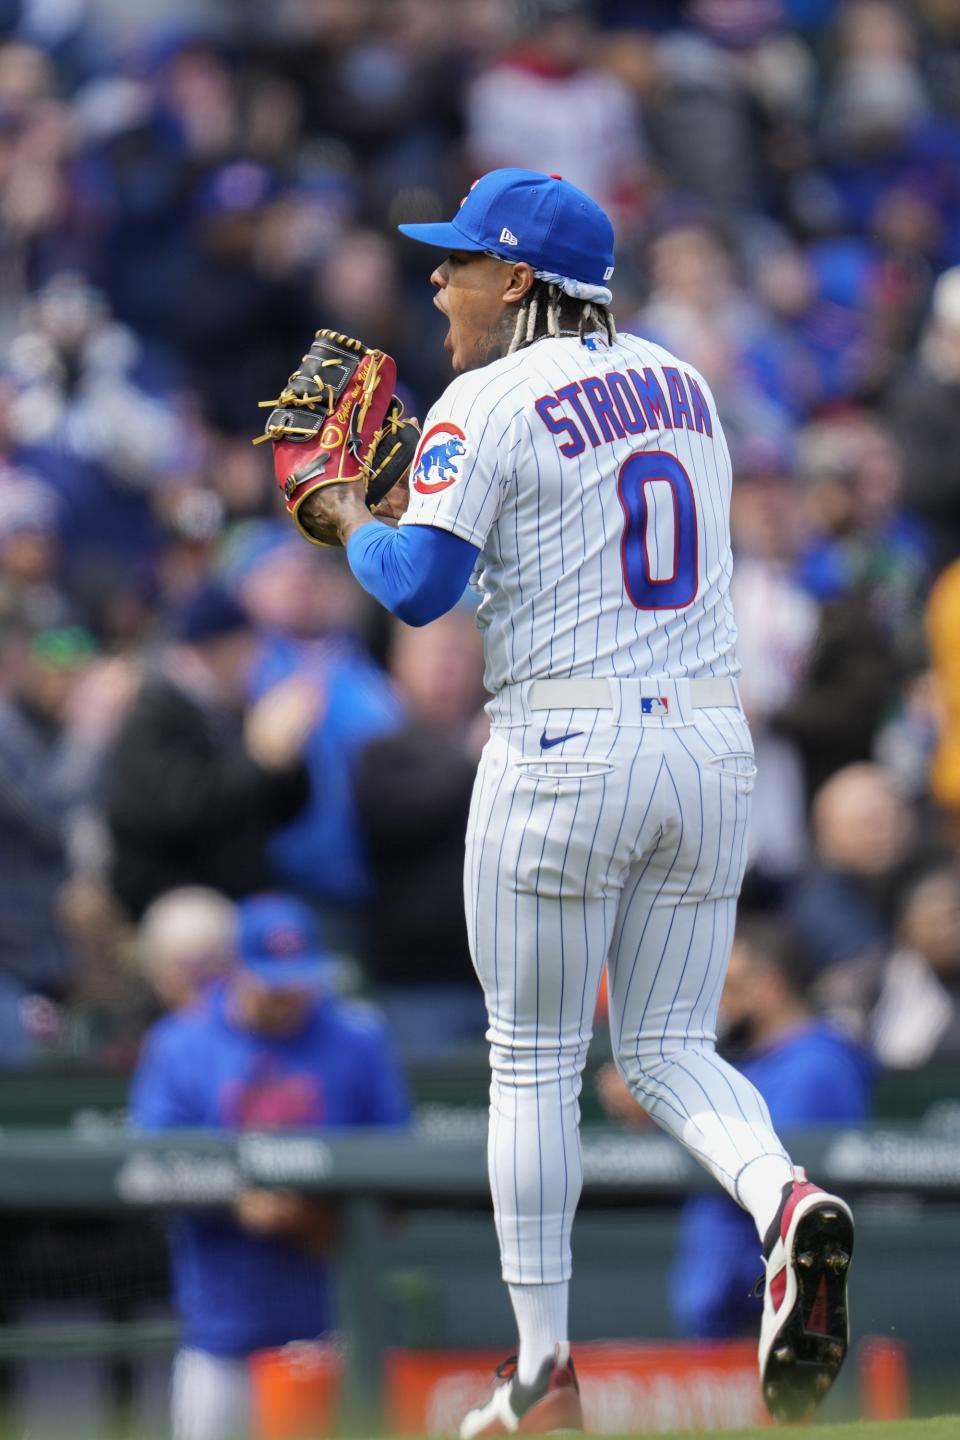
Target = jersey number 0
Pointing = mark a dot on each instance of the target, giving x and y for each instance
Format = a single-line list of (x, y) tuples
[(673, 591)]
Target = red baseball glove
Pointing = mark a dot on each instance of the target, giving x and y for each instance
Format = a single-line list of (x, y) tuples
[(338, 419)]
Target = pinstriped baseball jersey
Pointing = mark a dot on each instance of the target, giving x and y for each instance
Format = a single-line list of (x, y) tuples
[(608, 821), (595, 481)]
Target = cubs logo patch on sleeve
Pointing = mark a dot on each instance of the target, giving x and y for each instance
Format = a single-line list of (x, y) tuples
[(439, 459)]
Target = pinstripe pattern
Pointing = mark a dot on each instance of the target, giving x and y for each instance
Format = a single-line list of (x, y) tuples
[(637, 860), (626, 846), (549, 527)]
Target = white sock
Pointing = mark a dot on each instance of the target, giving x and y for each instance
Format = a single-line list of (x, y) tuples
[(541, 1312), (760, 1188)]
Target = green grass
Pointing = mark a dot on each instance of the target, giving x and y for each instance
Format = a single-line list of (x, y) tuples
[(941, 1427)]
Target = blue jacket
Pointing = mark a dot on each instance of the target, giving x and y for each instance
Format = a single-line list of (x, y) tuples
[(836, 916), (322, 853), (238, 1292), (812, 1077)]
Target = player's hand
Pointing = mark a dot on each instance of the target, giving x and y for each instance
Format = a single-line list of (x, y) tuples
[(335, 509), (394, 503), (267, 1212), (101, 698), (278, 726), (315, 1224)]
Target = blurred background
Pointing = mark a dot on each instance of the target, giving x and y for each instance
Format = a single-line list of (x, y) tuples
[(196, 708)]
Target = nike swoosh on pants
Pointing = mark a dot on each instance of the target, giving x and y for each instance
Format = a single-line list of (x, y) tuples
[(546, 744)]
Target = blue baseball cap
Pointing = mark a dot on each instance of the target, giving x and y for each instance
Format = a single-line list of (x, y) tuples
[(207, 613), (279, 940), (542, 219)]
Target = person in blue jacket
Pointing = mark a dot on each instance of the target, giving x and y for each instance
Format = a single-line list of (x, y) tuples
[(810, 1074), (308, 614), (268, 1049)]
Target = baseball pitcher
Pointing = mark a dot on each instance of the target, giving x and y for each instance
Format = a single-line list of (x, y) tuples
[(581, 476)]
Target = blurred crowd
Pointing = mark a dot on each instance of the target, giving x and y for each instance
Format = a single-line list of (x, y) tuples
[(192, 697)]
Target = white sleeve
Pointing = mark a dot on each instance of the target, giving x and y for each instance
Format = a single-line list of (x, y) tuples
[(455, 480)]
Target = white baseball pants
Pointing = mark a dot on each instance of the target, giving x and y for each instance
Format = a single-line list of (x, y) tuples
[(623, 843), (209, 1396)]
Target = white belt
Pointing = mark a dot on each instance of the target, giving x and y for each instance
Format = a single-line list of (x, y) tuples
[(596, 694)]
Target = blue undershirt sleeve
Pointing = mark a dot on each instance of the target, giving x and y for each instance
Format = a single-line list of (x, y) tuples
[(418, 572)]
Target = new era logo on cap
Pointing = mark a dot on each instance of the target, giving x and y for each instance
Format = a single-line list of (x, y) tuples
[(541, 219)]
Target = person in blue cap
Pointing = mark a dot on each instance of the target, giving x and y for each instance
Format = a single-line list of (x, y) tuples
[(268, 1049), (582, 478)]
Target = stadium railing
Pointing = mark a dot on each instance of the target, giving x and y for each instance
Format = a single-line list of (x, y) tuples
[(109, 1170)]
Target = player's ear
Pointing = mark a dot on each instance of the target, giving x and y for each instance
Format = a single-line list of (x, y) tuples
[(519, 280)]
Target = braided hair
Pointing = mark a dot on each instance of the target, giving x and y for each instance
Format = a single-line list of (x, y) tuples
[(547, 310)]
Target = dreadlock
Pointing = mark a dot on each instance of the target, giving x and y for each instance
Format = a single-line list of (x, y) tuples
[(547, 310)]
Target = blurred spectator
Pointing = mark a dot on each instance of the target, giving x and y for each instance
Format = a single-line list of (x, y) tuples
[(860, 542), (863, 831), (413, 789), (307, 609), (191, 515), (907, 235), (83, 420), (359, 291), (849, 682), (235, 473), (186, 943), (781, 354), (518, 111), (58, 709), (235, 322), (699, 307), (876, 99), (198, 783), (810, 1075), (30, 551), (357, 287), (75, 373), (34, 191), (134, 174), (700, 123), (188, 191), (268, 1050), (907, 743), (905, 1002), (925, 414), (776, 624), (879, 133)]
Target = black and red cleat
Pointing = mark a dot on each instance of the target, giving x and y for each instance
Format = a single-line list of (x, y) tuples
[(805, 1328)]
